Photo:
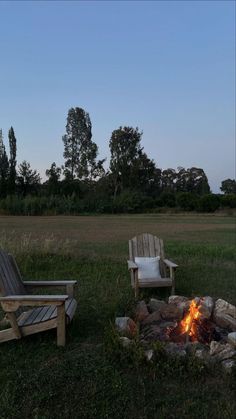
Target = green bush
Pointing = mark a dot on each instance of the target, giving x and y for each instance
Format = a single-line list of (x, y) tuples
[(187, 201), (228, 201), (168, 199), (209, 203)]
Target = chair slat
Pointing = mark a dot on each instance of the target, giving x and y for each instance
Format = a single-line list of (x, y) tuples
[(146, 250)]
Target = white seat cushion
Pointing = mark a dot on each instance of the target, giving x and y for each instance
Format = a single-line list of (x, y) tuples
[(148, 268)]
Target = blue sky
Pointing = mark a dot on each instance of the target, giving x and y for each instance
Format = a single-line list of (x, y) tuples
[(166, 67)]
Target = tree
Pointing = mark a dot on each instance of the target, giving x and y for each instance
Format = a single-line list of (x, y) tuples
[(228, 186), (168, 180), (125, 150), (12, 161), (27, 179), (80, 152), (53, 174), (4, 167), (192, 180)]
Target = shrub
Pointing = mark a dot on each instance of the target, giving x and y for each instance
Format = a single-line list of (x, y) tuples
[(209, 203), (187, 201), (228, 201), (168, 199)]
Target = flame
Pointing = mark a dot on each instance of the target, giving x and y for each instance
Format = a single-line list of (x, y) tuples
[(187, 323)]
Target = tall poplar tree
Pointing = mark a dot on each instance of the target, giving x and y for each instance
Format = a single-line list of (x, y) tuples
[(80, 152), (4, 166), (12, 161)]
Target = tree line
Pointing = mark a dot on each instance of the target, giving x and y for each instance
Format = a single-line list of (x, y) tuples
[(132, 183)]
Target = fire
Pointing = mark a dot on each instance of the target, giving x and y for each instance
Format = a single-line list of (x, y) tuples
[(188, 322)]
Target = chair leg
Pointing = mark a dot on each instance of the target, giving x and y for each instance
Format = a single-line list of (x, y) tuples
[(136, 288), (172, 275), (61, 325)]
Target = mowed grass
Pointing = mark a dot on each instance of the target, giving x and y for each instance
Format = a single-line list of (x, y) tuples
[(87, 378)]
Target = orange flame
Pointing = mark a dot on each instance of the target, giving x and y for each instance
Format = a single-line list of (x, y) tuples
[(188, 321)]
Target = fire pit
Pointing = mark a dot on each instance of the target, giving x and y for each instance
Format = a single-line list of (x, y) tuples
[(200, 326)]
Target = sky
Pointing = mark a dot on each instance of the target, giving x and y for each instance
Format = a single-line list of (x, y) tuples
[(167, 67)]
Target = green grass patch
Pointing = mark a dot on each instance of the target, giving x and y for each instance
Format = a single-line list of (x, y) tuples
[(92, 377)]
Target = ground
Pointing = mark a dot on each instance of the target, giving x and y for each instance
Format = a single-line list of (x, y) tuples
[(90, 378)]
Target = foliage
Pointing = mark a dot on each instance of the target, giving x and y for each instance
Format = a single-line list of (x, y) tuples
[(27, 179), (4, 167), (228, 200), (209, 203), (168, 199), (80, 152), (12, 162), (228, 186), (187, 201)]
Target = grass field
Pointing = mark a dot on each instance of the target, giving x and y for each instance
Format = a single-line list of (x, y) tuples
[(91, 378)]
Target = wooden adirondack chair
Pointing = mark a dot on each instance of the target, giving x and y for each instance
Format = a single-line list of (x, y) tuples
[(50, 311), (147, 245)]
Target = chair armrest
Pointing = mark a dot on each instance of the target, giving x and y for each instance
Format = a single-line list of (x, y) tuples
[(170, 264), (13, 302), (68, 285), (40, 284), (132, 265)]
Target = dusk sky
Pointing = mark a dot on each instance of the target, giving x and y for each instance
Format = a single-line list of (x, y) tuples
[(167, 67)]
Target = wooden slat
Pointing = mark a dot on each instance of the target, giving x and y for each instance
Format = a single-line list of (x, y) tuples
[(17, 273), (41, 314), (32, 314), (71, 308), (162, 253), (157, 246), (163, 282), (6, 335), (57, 284), (6, 285), (140, 246), (48, 314), (151, 245), (61, 325), (131, 256), (39, 327), (135, 247), (170, 264), (12, 277), (146, 249)]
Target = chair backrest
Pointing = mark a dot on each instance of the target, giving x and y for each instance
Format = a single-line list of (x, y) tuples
[(10, 278), (147, 245)]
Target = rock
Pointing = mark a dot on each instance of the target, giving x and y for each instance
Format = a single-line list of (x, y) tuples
[(228, 364), (175, 350), (125, 342), (155, 305), (181, 302), (224, 315), (232, 338), (215, 347), (171, 312), (152, 318), (221, 351), (141, 311), (149, 354), (206, 307), (155, 332), (177, 299), (126, 326)]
